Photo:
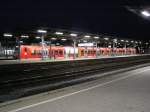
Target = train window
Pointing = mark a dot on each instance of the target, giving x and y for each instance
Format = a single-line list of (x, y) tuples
[(56, 52), (94, 52), (89, 52), (25, 49), (33, 51), (82, 52), (61, 52), (86, 51), (40, 52)]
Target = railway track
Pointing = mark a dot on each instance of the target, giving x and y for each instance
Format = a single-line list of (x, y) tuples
[(45, 76)]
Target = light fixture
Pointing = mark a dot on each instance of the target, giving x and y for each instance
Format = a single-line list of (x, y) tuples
[(87, 36), (37, 37), (115, 40), (59, 33), (7, 35), (145, 13), (106, 38), (73, 34), (96, 37), (127, 41), (24, 36), (41, 31), (53, 38), (63, 39)]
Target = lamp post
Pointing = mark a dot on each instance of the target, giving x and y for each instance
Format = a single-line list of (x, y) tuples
[(7, 35), (74, 44), (114, 44), (126, 46), (87, 37), (96, 37), (42, 32)]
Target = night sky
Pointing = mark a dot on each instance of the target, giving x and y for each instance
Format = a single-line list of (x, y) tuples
[(102, 16)]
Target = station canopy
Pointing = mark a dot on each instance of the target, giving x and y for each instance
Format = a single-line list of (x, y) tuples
[(67, 38)]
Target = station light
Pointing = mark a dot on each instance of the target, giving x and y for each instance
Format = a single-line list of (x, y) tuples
[(132, 41), (59, 33), (41, 31), (87, 36), (140, 42), (106, 38), (146, 43), (86, 44), (136, 42), (24, 36), (145, 13), (20, 41), (53, 38), (73, 34), (37, 37), (96, 37), (7, 35), (115, 40), (122, 40), (63, 39), (127, 41)]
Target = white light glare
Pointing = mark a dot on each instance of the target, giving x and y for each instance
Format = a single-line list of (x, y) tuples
[(87, 36), (63, 39), (145, 13), (115, 40), (53, 38), (42, 31), (59, 33), (140, 42), (96, 37), (85, 44), (122, 40), (37, 37), (73, 34), (24, 36), (7, 35), (106, 38)]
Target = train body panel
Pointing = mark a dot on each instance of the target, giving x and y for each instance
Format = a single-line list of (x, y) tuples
[(37, 51)]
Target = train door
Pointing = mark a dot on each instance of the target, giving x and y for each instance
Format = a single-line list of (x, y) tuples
[(61, 53), (55, 53)]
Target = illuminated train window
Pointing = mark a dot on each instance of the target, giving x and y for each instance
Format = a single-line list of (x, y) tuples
[(61, 52), (25, 49)]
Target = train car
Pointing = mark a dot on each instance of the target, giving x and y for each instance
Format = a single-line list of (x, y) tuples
[(86, 51), (56, 51), (37, 51), (69, 52)]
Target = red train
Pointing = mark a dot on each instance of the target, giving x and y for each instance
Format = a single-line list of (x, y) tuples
[(36, 51)]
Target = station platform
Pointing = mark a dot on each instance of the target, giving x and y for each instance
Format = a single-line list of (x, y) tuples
[(115, 93), (39, 60)]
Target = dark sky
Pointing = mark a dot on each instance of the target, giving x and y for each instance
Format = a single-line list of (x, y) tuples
[(102, 16)]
